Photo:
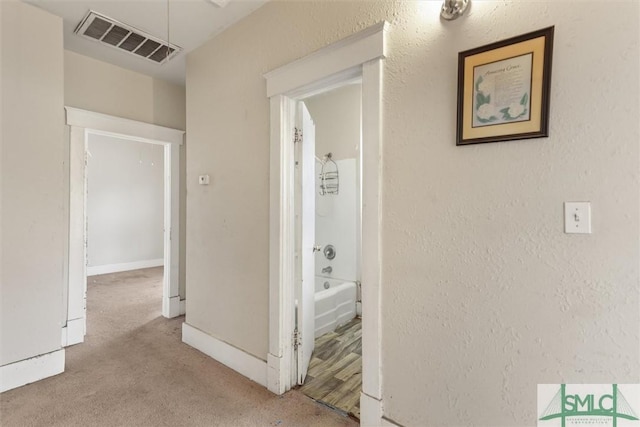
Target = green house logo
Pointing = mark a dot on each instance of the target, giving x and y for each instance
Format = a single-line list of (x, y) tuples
[(589, 404)]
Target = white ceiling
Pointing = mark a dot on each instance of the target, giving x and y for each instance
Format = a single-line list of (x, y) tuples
[(191, 23)]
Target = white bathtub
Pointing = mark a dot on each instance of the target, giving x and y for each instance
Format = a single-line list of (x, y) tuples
[(334, 306)]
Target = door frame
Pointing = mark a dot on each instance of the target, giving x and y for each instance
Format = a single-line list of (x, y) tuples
[(82, 124), (358, 56), (304, 201)]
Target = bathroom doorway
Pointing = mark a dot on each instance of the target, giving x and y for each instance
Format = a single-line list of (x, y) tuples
[(328, 293), (359, 56)]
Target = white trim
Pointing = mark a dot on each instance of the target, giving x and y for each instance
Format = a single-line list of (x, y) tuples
[(278, 374), (31, 370), (281, 262), (124, 266), (183, 307), (118, 125), (73, 333), (83, 124), (359, 55), (370, 411), (350, 52), (171, 305), (171, 280), (236, 359), (371, 228), (77, 269)]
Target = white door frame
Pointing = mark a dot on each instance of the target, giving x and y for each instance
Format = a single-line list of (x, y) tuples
[(305, 230), (360, 55), (82, 124)]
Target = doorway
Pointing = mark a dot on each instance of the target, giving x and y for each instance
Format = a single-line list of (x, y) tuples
[(357, 57), (82, 125), (330, 220), (125, 199)]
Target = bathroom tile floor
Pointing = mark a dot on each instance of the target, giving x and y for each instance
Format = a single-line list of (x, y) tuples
[(335, 372)]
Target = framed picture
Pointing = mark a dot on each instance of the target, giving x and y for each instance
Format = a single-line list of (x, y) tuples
[(503, 89)]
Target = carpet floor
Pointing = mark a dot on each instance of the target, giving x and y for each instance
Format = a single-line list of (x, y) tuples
[(134, 370)]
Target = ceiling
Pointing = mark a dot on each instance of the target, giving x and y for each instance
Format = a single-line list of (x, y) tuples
[(191, 23)]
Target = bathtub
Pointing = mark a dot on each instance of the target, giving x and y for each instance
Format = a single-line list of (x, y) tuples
[(334, 306)]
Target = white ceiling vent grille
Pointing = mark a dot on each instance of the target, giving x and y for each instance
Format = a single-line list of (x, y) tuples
[(124, 37)]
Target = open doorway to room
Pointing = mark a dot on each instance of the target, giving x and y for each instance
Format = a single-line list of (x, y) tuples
[(329, 211), (146, 146), (125, 199), (125, 221)]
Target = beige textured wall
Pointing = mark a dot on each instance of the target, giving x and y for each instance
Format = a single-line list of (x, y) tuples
[(104, 88), (483, 294), (32, 225)]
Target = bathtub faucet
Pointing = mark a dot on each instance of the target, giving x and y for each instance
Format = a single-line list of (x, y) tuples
[(327, 269)]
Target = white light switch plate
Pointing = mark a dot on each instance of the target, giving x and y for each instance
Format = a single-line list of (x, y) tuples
[(577, 217)]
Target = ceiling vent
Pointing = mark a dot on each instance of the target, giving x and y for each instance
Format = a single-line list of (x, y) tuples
[(124, 37)]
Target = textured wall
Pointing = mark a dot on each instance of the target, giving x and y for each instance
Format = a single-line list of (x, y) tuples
[(32, 225), (483, 294), (104, 88), (228, 122)]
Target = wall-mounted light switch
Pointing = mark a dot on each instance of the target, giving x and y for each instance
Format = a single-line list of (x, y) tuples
[(203, 180), (577, 217)]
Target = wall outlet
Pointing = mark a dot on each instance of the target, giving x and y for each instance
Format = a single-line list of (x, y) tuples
[(577, 217), (203, 180)]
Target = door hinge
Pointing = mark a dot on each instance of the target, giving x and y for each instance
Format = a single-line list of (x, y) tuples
[(297, 339), (297, 135)]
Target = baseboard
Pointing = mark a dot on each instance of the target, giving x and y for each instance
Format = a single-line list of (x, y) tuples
[(370, 411), (125, 266), (171, 307), (31, 370), (73, 333), (183, 307), (277, 381), (371, 414), (236, 359)]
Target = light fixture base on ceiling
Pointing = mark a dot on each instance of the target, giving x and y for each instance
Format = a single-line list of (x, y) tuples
[(452, 9)]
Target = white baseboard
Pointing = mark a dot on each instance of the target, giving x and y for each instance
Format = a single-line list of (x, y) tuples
[(370, 411), (371, 414), (172, 307), (31, 370), (73, 333), (183, 307), (125, 266), (277, 381), (236, 359)]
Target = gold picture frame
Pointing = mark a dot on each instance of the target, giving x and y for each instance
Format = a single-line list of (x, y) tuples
[(504, 88)]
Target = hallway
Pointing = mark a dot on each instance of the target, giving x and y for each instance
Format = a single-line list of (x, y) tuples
[(134, 370)]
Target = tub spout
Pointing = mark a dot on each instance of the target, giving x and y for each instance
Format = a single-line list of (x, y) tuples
[(327, 269)]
